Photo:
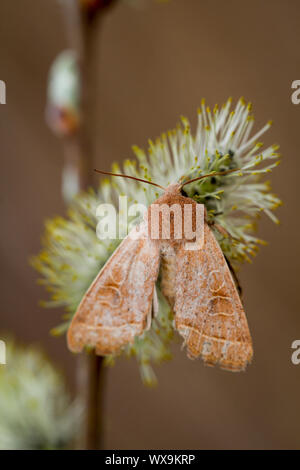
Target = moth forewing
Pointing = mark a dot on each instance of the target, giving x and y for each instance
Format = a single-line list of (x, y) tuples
[(115, 308)]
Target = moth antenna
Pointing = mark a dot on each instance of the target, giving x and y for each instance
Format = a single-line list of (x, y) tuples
[(215, 173), (131, 177)]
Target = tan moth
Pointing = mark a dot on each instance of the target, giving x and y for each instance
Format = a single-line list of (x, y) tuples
[(197, 283)]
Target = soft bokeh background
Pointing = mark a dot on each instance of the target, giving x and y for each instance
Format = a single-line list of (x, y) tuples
[(153, 64)]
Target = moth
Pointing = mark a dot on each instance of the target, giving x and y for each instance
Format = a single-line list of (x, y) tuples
[(197, 284)]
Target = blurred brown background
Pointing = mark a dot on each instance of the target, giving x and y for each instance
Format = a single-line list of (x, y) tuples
[(153, 64)]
